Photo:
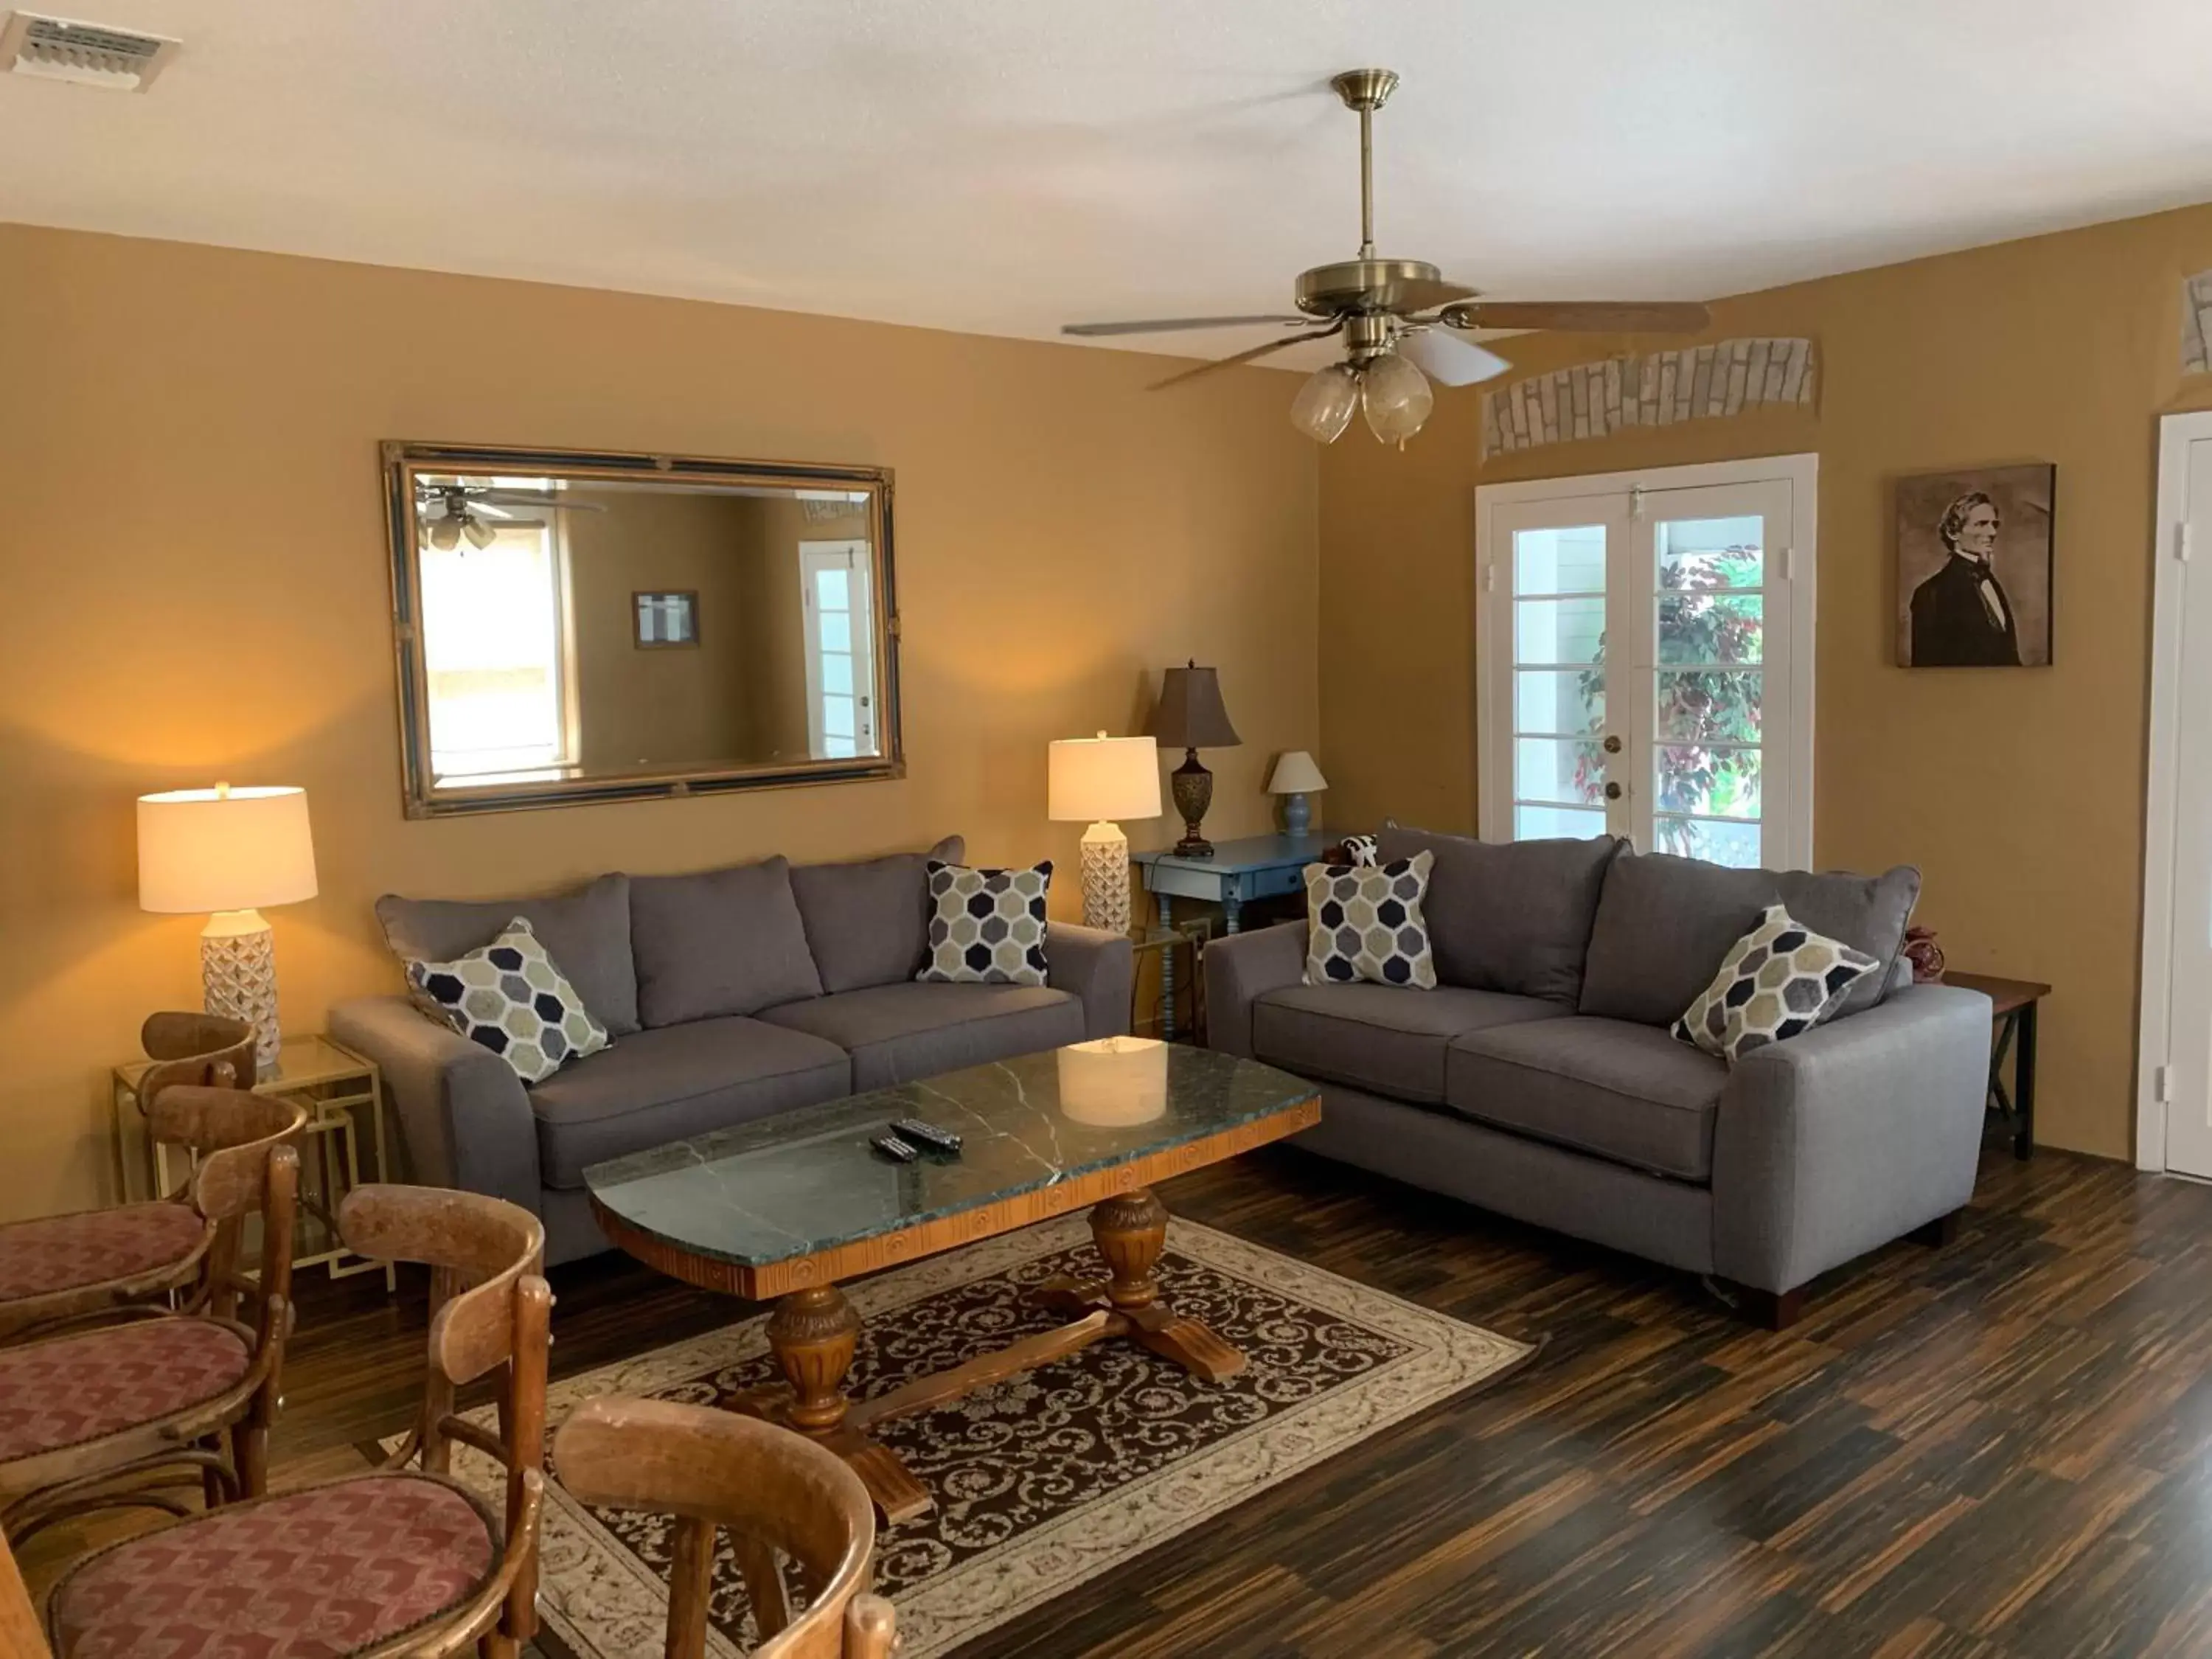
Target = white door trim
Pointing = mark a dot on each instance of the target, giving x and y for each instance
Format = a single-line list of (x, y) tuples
[(1492, 585), (2169, 584)]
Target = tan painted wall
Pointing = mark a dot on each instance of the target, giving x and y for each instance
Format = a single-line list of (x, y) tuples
[(192, 533), (2018, 791)]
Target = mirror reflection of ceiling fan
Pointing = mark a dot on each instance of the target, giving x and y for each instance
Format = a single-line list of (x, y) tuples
[(1399, 320), (449, 512)]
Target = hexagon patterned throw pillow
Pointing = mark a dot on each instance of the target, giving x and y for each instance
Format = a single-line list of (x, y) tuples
[(1364, 922), (1779, 981), (986, 927), (510, 997)]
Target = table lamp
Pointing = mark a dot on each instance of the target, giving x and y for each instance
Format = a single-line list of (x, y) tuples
[(1190, 717), (1296, 776), (230, 851), (1095, 781)]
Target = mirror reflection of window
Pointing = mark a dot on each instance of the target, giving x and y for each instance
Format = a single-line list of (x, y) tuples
[(839, 662), (493, 621)]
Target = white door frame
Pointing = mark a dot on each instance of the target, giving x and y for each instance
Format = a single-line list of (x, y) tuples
[(1800, 471), (2169, 586)]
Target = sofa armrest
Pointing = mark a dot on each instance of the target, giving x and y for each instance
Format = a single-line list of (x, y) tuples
[(1836, 1142), (1238, 968), (466, 1115), (1098, 968)]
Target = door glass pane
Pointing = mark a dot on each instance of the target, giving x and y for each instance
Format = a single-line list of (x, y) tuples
[(831, 587), (1558, 631), (1713, 782), (836, 629), (837, 717), (1694, 628), (1554, 823), (1707, 553), (1546, 770), (837, 672), (1711, 705), (1559, 561), (1569, 702), (1736, 845)]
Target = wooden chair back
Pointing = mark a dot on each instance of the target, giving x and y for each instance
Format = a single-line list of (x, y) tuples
[(212, 1050), (490, 1310), (774, 1491), (20, 1636)]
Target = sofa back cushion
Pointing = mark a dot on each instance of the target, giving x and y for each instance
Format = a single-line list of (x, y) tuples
[(1664, 923), (1511, 917), (868, 923), (720, 942), (587, 932)]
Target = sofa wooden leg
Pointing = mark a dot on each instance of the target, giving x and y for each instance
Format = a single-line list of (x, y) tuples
[(1937, 1233), (1777, 1311)]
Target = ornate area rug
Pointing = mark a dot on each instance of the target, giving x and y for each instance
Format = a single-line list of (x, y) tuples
[(1050, 1478)]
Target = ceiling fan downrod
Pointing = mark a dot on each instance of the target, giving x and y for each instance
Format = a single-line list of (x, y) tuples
[(1366, 90)]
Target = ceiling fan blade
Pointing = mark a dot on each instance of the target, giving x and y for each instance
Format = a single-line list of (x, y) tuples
[(1447, 360), (1167, 325), (1600, 316), (491, 509), (1244, 356)]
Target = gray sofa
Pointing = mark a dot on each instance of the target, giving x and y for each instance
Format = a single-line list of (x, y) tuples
[(730, 995), (1538, 1079)]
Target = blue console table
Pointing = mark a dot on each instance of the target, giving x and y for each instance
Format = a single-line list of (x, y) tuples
[(1257, 867)]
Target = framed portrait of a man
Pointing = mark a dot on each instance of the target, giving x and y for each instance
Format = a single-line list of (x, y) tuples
[(1973, 568)]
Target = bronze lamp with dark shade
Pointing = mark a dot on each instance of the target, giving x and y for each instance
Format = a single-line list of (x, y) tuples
[(1191, 717)]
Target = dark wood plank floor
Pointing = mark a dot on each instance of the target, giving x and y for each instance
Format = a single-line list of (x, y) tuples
[(2001, 1448)]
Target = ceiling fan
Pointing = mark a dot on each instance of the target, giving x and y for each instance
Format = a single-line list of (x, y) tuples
[(450, 511), (1398, 318)]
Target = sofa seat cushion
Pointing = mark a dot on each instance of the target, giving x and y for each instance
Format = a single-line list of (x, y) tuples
[(1380, 1036), (675, 1082), (1624, 1091), (896, 1033)]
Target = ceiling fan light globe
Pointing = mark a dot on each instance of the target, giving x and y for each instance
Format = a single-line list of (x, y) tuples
[(444, 534), (1395, 398), (479, 533), (1324, 404)]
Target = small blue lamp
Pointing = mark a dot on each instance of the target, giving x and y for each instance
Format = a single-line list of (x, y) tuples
[(1295, 777)]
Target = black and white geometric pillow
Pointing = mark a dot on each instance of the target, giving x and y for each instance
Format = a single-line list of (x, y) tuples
[(986, 927), (509, 997), (1364, 922), (1777, 982)]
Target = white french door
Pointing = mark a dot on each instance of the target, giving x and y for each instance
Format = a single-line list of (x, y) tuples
[(1645, 659), (2174, 1069), (841, 664)]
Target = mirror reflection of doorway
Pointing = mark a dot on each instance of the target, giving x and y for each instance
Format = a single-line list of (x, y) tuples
[(840, 690)]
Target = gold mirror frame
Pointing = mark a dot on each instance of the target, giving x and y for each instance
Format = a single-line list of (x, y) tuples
[(423, 799)]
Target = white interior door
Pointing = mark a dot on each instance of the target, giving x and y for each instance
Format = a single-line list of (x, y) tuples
[(2177, 1063), (1646, 660), (841, 660)]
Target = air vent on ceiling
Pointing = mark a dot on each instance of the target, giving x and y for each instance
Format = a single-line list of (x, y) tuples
[(90, 54)]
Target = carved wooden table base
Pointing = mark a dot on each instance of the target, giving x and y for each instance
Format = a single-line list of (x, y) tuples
[(812, 1331)]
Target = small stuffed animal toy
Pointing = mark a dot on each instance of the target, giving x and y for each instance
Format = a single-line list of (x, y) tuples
[(1352, 850)]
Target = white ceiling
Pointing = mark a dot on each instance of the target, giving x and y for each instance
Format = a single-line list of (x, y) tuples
[(1004, 166)]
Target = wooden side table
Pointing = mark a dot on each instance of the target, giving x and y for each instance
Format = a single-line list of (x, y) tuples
[(343, 1096), (1240, 872), (2013, 1016)]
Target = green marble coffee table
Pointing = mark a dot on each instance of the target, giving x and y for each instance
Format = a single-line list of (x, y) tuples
[(787, 1207)]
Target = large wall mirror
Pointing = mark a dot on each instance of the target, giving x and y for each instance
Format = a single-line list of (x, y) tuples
[(577, 627)]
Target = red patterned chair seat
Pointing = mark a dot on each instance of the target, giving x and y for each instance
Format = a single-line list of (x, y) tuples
[(309, 1575), (59, 1252), (67, 1390)]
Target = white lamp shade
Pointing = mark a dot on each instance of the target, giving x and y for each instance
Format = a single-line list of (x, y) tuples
[(1111, 1082), (1296, 774), (224, 850), (1104, 778)]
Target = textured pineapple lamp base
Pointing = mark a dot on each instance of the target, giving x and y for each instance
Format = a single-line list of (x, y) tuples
[(238, 976), (1106, 878)]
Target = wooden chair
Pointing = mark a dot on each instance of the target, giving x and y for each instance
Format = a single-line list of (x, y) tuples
[(775, 1491), (64, 1267), (119, 1412), (448, 1582)]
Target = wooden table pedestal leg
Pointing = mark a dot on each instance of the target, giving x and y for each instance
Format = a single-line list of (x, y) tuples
[(1131, 1231), (811, 1334)]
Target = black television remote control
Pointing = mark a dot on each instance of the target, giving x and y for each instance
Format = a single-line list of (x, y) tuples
[(926, 1134), (895, 1149)]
